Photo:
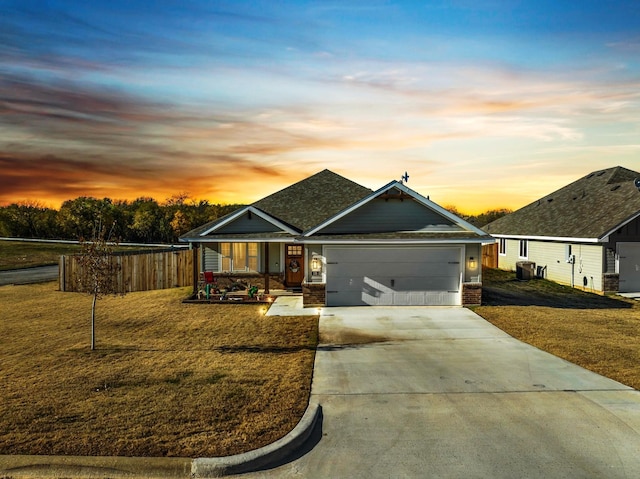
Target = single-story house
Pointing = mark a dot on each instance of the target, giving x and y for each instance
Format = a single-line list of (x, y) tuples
[(586, 234), (341, 243)]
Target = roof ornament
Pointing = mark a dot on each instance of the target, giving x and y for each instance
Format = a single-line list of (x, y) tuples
[(405, 178)]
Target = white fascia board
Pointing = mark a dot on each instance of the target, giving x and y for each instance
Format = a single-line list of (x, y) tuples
[(254, 211), (396, 242), (228, 220), (605, 237), (243, 240), (549, 238)]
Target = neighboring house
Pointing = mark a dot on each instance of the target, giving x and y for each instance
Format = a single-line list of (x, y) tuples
[(586, 234), (344, 244)]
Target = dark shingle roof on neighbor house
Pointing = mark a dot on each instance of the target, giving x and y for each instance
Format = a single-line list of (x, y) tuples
[(591, 207)]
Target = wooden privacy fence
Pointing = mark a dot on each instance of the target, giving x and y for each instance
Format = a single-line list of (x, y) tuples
[(490, 255), (137, 271)]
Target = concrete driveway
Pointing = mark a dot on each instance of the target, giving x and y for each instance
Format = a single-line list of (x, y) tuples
[(439, 392)]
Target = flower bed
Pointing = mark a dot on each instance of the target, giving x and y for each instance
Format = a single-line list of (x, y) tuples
[(231, 298)]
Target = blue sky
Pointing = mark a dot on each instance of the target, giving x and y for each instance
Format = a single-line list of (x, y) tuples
[(486, 104)]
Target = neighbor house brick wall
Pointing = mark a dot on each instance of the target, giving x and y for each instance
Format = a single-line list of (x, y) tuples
[(610, 282), (471, 294), (314, 294)]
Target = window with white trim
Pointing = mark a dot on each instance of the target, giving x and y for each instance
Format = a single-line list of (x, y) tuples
[(502, 246), (524, 249), (239, 257)]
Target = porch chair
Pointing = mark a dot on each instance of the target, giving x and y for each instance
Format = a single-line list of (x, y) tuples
[(206, 284)]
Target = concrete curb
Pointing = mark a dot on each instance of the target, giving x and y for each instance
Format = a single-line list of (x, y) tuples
[(259, 458), (161, 467)]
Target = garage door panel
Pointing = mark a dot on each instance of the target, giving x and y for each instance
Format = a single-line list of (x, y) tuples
[(393, 276), (384, 283), (387, 255), (415, 269)]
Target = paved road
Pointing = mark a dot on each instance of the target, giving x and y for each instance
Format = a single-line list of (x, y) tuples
[(439, 392), (41, 274)]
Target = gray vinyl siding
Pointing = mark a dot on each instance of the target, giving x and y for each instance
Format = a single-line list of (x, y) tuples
[(628, 233), (310, 250), (473, 251), (248, 223), (552, 257), (380, 216), (275, 257), (210, 257)]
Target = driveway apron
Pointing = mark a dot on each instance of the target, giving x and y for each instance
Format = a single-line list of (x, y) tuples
[(440, 392)]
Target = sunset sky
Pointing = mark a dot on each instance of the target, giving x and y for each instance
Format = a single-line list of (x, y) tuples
[(485, 103)]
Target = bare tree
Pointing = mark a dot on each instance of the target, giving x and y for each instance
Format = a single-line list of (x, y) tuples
[(99, 272)]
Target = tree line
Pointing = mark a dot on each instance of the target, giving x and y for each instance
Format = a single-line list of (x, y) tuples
[(143, 220), (480, 219)]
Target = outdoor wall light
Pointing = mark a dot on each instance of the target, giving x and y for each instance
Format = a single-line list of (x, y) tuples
[(472, 263), (315, 264)]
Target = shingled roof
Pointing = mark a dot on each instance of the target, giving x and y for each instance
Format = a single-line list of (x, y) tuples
[(311, 201), (591, 207), (301, 205)]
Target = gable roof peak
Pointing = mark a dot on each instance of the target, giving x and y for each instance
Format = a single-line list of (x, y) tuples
[(313, 199)]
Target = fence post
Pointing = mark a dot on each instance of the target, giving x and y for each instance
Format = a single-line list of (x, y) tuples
[(61, 274)]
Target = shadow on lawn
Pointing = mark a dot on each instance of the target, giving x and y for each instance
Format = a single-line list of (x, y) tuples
[(260, 349), (502, 289)]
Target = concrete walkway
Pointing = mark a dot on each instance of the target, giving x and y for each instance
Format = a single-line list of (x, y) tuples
[(439, 392)]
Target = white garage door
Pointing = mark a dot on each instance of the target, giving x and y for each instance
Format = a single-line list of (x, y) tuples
[(393, 276), (629, 267)]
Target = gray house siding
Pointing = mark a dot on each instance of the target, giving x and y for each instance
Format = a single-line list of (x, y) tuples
[(473, 275), (248, 223), (391, 215), (210, 257), (628, 233)]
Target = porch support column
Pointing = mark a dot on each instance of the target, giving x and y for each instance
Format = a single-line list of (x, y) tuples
[(266, 268), (195, 247)]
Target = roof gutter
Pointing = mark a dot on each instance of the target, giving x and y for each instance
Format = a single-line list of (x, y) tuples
[(550, 238), (396, 241)]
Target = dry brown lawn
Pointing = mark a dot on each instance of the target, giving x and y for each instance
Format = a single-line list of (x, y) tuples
[(167, 379), (599, 333)]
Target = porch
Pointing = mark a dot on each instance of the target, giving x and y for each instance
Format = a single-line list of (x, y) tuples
[(244, 288)]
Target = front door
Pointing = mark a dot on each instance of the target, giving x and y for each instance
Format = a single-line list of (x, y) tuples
[(294, 265)]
